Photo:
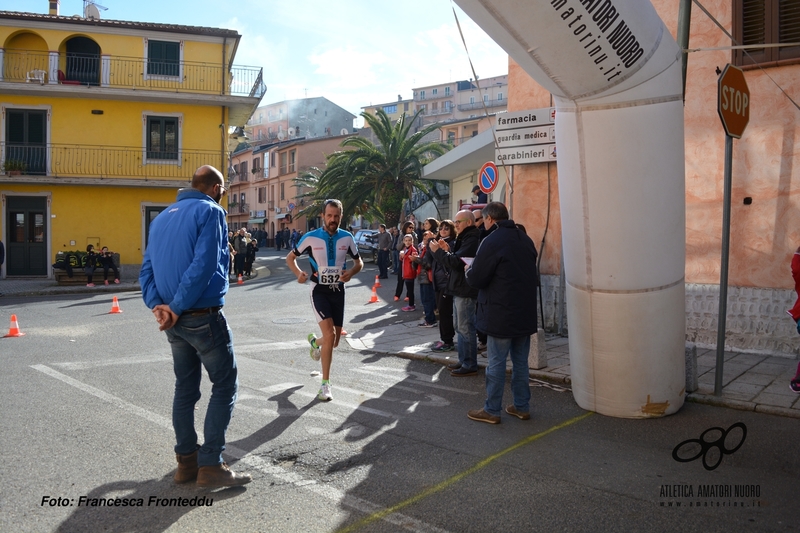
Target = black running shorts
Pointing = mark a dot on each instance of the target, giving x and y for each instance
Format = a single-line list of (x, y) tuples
[(328, 303)]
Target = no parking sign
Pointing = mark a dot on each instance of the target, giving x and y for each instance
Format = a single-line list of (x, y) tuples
[(488, 177)]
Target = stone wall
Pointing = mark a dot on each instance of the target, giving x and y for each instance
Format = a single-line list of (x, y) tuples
[(756, 317)]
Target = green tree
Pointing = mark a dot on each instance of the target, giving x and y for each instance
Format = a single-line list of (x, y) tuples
[(374, 179)]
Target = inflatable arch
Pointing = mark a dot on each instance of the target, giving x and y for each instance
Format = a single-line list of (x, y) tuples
[(614, 71)]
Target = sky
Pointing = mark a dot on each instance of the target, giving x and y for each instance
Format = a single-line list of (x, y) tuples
[(353, 52)]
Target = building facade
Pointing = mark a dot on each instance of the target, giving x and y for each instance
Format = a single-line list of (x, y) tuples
[(102, 122), (765, 214), (264, 194), (291, 119)]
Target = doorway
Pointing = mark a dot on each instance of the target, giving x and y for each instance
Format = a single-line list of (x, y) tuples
[(83, 61), (26, 243)]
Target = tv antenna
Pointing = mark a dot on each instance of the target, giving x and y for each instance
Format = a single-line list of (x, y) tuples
[(91, 9)]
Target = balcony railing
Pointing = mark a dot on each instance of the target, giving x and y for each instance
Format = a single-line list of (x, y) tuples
[(131, 73), (479, 105), (67, 160)]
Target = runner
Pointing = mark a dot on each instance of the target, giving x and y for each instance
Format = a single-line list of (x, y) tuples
[(327, 248)]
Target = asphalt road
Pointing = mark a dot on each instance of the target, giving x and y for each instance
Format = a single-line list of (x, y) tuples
[(86, 399)]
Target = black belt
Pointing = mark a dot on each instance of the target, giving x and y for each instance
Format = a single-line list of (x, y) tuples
[(203, 311)]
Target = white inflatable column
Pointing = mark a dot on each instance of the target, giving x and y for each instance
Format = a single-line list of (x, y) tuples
[(615, 73)]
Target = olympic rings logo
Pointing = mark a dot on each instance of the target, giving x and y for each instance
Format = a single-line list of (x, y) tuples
[(707, 445)]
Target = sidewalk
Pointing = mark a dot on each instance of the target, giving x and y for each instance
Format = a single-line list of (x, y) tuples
[(750, 382), (40, 286)]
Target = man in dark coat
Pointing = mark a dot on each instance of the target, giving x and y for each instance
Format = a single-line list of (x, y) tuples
[(464, 296), (504, 272)]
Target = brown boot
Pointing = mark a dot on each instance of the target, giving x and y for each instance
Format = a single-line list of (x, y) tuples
[(220, 476), (187, 468)]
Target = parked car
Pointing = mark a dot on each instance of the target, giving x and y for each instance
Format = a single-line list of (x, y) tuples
[(367, 243)]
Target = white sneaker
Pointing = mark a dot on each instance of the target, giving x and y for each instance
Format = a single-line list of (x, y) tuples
[(315, 353), (325, 392)]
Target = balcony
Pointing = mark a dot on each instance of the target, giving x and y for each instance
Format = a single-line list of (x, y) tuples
[(131, 73), (479, 105), (82, 161)]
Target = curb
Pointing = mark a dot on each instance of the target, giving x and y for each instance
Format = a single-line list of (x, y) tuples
[(564, 380)]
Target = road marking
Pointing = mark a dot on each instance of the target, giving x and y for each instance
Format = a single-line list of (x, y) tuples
[(281, 387), (84, 365), (382, 514), (335, 495)]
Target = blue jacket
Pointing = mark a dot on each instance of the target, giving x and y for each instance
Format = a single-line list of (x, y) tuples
[(504, 272), (187, 260)]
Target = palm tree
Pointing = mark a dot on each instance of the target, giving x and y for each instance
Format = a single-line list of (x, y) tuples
[(374, 179)]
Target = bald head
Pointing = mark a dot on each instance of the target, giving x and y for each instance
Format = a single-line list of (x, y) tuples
[(206, 178)]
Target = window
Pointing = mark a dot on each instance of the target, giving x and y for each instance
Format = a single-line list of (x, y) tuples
[(499, 97), (162, 138), (282, 192), (422, 95), (485, 97), (389, 109), (272, 159), (283, 166), (163, 58), (434, 92), (405, 107), (471, 99), (766, 22), (26, 139), (447, 91), (447, 105), (243, 173), (292, 156), (262, 195)]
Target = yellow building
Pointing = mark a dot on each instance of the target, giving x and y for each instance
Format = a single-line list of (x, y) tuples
[(101, 122)]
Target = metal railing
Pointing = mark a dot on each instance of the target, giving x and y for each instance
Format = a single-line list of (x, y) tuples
[(133, 73), (67, 160), (479, 105)]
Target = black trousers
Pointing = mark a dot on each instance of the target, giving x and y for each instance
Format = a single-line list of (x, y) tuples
[(444, 302)]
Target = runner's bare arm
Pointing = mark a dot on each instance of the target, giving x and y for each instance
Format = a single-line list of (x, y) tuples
[(291, 262)]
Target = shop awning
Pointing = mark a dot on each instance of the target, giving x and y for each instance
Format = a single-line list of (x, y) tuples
[(256, 221), (282, 215)]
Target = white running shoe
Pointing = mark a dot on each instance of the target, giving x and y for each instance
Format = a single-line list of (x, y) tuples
[(325, 392), (312, 340)]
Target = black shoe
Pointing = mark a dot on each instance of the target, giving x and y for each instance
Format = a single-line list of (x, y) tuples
[(454, 366), (461, 372)]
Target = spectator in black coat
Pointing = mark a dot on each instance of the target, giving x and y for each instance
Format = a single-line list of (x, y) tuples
[(504, 272)]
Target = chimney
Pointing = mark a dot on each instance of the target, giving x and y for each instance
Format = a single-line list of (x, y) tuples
[(55, 5), (399, 98)]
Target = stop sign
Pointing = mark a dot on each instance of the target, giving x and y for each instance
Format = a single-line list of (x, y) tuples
[(733, 101)]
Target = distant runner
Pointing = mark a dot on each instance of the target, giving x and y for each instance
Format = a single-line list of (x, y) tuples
[(327, 248)]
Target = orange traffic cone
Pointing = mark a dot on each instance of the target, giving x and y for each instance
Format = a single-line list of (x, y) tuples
[(115, 306), (14, 331), (378, 282), (374, 298), (240, 281)]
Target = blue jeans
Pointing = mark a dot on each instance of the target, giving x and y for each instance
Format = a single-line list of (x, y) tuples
[(383, 263), (197, 342), (428, 298), (497, 350), (396, 266), (464, 319)]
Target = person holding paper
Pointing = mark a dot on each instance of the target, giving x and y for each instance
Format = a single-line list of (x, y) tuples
[(464, 296)]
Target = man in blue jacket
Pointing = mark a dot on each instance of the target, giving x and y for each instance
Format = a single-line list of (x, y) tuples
[(184, 282), (504, 272)]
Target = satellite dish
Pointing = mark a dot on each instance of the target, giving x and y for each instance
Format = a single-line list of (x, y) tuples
[(92, 12), (343, 131), (292, 132), (281, 136)]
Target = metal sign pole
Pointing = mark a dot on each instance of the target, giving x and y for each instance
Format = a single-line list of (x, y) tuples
[(723, 269)]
